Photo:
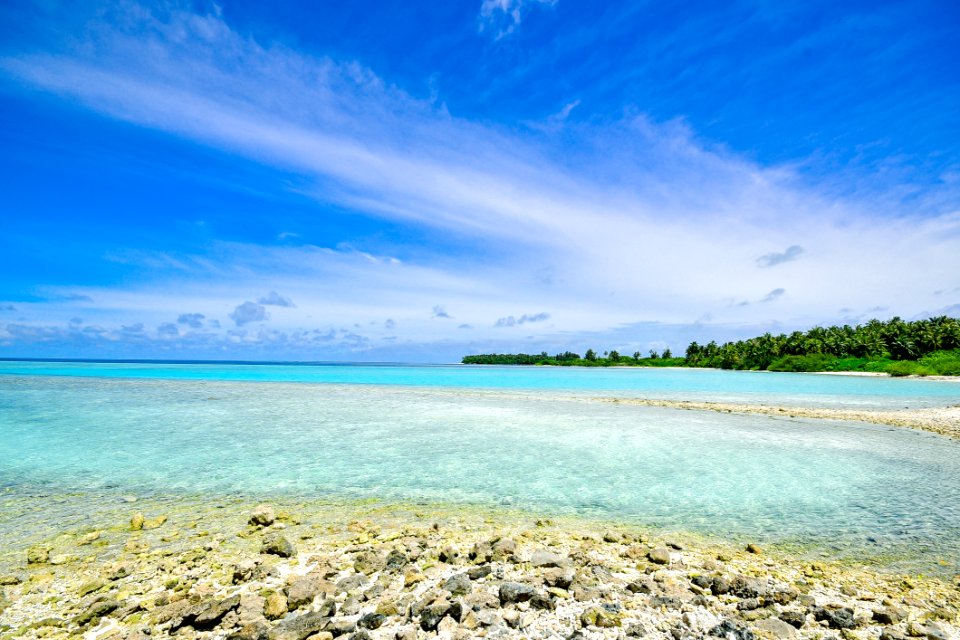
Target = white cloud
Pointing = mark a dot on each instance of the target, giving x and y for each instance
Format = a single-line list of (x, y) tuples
[(249, 312), (772, 259), (773, 295), (275, 299), (610, 224), (502, 17), (192, 320), (510, 321)]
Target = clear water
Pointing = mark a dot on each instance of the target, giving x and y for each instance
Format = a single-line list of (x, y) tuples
[(850, 488), (795, 389)]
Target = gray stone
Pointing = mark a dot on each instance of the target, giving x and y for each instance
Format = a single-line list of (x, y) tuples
[(371, 621), (612, 537), (720, 586), (300, 627), (350, 606), (515, 592), (511, 617), (504, 549), (660, 555), (278, 545), (795, 619), (262, 515), (837, 618), (244, 571), (667, 602), (559, 577), (544, 558), (777, 628), (396, 560), (482, 600), (352, 582), (744, 587), (341, 626), (702, 581), (408, 632), (748, 604), (210, 614), (328, 608), (475, 573), (642, 585), (930, 631), (888, 615), (256, 630), (302, 591), (431, 615), (96, 610), (369, 563), (727, 630), (458, 585), (542, 601), (785, 595)]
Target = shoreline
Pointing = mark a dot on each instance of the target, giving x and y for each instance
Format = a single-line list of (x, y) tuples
[(406, 571), (944, 421)]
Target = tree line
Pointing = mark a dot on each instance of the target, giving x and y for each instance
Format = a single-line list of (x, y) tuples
[(921, 347)]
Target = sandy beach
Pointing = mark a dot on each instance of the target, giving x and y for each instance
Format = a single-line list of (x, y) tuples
[(941, 420), (303, 571)]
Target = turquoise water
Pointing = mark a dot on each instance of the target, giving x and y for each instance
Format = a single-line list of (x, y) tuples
[(796, 389), (849, 488)]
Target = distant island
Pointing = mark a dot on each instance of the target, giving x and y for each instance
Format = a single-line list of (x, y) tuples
[(897, 347)]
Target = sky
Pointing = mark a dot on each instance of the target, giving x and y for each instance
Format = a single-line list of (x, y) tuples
[(417, 181)]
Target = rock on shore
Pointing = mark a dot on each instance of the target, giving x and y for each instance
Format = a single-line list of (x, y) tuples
[(270, 575)]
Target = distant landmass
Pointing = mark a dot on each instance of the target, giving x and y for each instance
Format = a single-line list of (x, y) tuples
[(900, 348)]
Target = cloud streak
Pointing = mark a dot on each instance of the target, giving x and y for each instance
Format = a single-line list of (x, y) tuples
[(510, 321), (607, 224), (773, 295), (788, 255)]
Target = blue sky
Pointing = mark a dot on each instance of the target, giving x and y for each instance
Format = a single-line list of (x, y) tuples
[(399, 181)]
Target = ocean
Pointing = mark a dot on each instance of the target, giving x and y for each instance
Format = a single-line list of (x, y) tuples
[(78, 438)]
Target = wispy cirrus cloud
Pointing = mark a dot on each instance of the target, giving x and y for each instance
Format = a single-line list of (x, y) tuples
[(606, 223), (500, 18)]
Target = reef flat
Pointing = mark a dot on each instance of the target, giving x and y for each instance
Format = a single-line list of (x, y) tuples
[(312, 570)]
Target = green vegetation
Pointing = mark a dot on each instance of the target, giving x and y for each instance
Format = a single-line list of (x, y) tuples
[(897, 347), (568, 359)]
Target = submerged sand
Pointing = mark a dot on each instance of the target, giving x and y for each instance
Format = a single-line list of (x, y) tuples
[(942, 420)]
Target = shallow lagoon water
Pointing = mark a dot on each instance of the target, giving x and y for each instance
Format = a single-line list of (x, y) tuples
[(849, 488), (796, 389)]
